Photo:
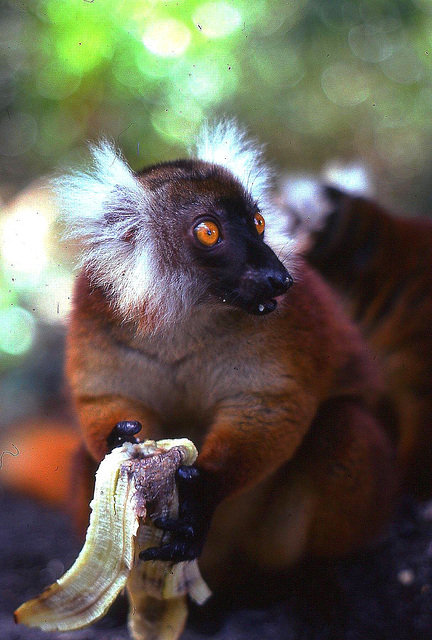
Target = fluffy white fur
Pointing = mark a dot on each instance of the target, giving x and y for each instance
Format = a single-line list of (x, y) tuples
[(101, 206), (306, 202), (305, 197), (227, 145)]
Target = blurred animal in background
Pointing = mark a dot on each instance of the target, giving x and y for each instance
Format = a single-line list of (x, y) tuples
[(381, 266), (309, 404)]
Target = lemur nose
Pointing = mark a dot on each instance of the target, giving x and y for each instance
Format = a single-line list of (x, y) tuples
[(280, 282)]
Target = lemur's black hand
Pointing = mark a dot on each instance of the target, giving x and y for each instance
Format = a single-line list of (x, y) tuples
[(123, 432), (197, 503)]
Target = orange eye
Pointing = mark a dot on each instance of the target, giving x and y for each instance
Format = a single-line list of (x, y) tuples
[(207, 233), (259, 223)]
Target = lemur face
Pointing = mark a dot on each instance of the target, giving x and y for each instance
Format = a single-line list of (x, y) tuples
[(180, 234), (210, 226)]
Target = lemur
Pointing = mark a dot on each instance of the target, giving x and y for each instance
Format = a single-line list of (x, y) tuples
[(185, 323)]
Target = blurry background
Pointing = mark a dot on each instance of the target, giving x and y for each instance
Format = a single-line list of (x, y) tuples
[(323, 83)]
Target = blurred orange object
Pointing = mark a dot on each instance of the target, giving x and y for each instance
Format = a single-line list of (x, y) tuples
[(41, 460)]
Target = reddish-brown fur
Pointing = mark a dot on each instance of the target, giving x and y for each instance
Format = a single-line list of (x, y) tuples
[(382, 265), (298, 422)]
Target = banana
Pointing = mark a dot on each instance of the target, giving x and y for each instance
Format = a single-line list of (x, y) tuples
[(128, 478)]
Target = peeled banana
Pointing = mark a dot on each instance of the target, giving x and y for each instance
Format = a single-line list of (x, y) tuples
[(128, 480)]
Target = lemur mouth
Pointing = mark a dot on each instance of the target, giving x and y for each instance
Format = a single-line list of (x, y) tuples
[(256, 307), (262, 308)]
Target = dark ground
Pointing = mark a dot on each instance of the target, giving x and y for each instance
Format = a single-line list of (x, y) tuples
[(383, 594)]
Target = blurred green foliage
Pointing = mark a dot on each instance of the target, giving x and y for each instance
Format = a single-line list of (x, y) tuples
[(314, 79), (318, 81)]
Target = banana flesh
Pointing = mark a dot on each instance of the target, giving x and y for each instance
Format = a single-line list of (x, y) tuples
[(128, 479)]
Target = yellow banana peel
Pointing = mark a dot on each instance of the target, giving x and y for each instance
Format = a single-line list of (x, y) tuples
[(128, 479)]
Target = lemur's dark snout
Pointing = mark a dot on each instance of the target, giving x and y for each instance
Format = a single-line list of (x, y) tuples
[(279, 282), (260, 288), (271, 283)]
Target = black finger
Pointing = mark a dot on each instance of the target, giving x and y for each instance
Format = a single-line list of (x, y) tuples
[(187, 473), (152, 553), (128, 427), (123, 432), (177, 526), (174, 552)]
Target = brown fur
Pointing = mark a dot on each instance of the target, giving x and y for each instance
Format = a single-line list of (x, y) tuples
[(382, 265), (251, 392)]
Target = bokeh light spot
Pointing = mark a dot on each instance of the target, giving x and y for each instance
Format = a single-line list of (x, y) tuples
[(178, 123), (210, 81), (23, 241), (370, 43), (403, 66), (344, 84), (81, 49), (17, 331), (55, 304), (167, 37), (217, 19), (288, 73)]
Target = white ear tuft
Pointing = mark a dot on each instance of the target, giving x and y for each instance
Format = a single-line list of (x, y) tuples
[(227, 145), (306, 201), (87, 198), (352, 177), (103, 207), (115, 219)]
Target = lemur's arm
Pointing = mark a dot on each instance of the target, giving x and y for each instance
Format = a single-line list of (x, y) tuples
[(108, 421), (102, 385), (252, 436)]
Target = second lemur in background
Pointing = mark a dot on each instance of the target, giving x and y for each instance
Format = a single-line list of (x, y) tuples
[(381, 265)]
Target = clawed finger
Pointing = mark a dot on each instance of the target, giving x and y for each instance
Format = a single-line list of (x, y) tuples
[(175, 526), (173, 552)]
